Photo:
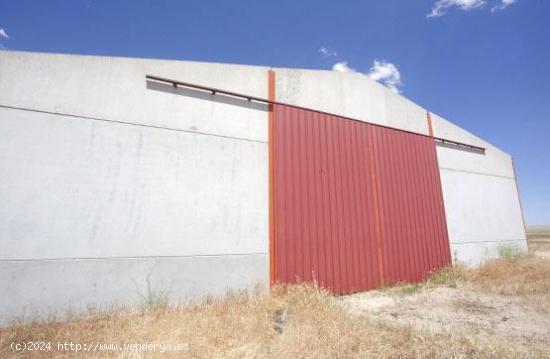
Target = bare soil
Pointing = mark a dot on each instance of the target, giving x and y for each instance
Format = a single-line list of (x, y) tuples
[(505, 301), (483, 316)]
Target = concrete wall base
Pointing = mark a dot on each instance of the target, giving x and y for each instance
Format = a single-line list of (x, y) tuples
[(45, 288), (475, 253)]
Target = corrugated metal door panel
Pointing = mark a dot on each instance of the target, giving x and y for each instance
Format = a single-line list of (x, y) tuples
[(354, 203), (414, 237), (324, 223)]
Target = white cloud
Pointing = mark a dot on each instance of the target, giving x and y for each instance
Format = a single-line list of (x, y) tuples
[(386, 73), (442, 6), (327, 52), (381, 71), (503, 5), (3, 33), (343, 67)]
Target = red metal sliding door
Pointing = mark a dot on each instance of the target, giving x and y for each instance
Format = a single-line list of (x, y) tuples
[(355, 205)]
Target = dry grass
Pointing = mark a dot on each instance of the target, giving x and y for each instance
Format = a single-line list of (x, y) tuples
[(243, 325), (538, 238), (526, 276), (538, 232), (291, 321)]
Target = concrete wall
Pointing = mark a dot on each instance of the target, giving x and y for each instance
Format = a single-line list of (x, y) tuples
[(107, 180), (481, 199), (351, 95)]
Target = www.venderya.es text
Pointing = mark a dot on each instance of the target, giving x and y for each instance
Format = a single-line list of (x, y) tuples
[(68, 346)]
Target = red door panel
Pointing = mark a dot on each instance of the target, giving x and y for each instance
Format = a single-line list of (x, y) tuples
[(355, 205)]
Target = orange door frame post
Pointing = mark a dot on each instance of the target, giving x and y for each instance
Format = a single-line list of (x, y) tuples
[(376, 203), (430, 128), (271, 155)]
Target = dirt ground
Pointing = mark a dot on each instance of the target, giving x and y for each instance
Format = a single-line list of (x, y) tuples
[(462, 309), (466, 312)]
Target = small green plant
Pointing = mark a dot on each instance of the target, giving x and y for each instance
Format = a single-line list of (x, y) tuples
[(153, 299), (409, 289), (448, 276), (509, 251), (401, 288)]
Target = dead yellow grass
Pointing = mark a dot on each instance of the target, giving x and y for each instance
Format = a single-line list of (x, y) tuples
[(291, 321), (526, 276)]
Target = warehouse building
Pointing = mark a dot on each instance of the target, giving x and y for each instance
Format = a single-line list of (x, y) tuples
[(187, 178)]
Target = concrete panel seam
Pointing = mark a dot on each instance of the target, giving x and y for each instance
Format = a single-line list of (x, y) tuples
[(493, 241), (127, 123), (130, 258), (271, 180), (475, 173)]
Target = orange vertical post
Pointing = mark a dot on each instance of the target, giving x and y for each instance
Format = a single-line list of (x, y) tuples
[(376, 204), (271, 154), (430, 128)]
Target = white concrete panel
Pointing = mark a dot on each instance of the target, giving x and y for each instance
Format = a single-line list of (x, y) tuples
[(74, 187), (474, 254), (37, 289), (352, 95), (345, 94), (493, 161), (445, 129), (405, 114), (115, 89), (481, 208)]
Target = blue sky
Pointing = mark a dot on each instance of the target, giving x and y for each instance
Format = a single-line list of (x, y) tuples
[(483, 64)]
